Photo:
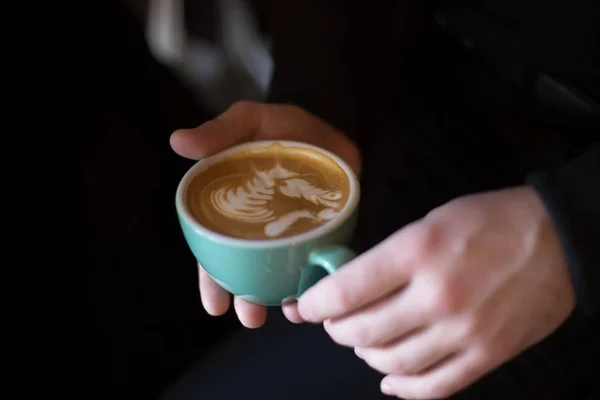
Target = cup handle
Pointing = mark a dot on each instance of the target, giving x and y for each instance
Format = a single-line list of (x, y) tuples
[(322, 262)]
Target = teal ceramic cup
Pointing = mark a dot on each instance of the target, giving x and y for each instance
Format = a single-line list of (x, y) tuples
[(271, 271)]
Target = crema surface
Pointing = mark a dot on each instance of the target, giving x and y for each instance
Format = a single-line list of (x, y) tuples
[(269, 193)]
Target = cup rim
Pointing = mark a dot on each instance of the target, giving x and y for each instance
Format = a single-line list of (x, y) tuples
[(203, 164)]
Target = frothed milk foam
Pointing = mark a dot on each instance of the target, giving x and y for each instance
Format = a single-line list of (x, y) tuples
[(269, 193)]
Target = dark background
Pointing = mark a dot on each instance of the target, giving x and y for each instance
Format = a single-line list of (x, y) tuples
[(148, 323)]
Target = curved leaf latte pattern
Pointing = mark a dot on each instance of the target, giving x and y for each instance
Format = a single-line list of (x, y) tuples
[(250, 202)]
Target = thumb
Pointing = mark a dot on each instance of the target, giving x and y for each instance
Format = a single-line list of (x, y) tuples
[(237, 124)]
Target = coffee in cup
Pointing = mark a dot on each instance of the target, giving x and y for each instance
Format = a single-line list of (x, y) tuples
[(269, 192)]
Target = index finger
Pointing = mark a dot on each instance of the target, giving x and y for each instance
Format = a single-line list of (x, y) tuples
[(371, 276)]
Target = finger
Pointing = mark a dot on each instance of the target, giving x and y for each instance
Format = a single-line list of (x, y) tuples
[(411, 354), (381, 322), (247, 120), (373, 275), (237, 124), (291, 313), (214, 298), (250, 315), (441, 382)]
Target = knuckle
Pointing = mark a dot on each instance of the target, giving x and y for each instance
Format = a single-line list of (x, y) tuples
[(428, 241), (362, 335), (469, 330), (445, 300), (341, 297), (243, 107)]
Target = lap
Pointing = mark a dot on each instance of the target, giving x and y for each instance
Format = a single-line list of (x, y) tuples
[(286, 361), (279, 361)]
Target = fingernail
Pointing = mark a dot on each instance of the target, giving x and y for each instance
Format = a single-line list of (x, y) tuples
[(386, 388), (358, 352)]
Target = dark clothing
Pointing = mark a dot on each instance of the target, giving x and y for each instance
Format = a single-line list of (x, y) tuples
[(443, 101), (560, 38), (571, 193), (539, 63)]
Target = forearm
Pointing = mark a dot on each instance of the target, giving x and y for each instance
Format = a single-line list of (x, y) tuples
[(571, 193)]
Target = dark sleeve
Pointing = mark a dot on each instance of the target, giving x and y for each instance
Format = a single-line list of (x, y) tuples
[(310, 41), (571, 194)]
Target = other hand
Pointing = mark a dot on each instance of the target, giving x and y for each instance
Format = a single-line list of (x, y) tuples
[(449, 298), (248, 121)]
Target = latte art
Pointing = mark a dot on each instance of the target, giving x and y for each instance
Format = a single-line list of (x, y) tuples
[(301, 188), (276, 192), (249, 203)]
